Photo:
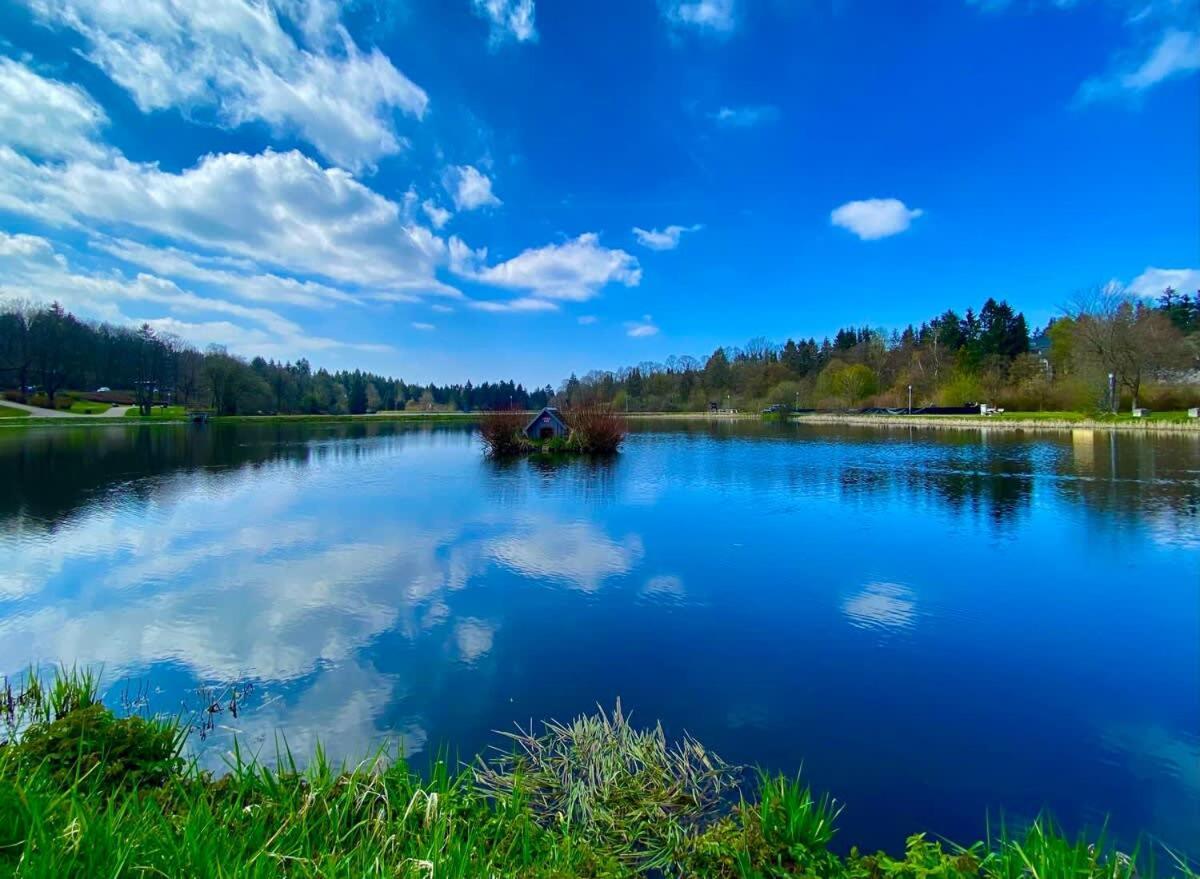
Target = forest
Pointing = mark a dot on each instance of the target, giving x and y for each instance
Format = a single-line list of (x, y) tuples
[(45, 350), (1151, 348)]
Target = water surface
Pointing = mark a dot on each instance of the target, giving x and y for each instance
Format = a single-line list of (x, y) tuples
[(941, 626)]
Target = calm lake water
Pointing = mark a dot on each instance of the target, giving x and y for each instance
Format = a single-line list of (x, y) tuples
[(941, 626)]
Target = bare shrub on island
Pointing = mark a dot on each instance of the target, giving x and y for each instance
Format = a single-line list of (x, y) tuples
[(502, 431), (595, 428)]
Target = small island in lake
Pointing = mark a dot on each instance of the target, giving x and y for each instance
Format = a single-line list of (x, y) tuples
[(584, 429)]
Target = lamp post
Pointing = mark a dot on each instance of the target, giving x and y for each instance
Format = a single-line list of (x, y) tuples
[(910, 399)]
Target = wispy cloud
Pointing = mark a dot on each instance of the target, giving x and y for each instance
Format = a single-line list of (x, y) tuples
[(438, 216), (45, 117), (745, 117), (310, 79), (508, 20), (1175, 54), (664, 239), (524, 303), (874, 218), (1153, 281), (423, 326), (639, 329), (585, 320), (1163, 44), (574, 271), (470, 188), (714, 17)]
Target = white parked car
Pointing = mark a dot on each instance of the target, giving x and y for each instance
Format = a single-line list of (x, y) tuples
[(103, 390)]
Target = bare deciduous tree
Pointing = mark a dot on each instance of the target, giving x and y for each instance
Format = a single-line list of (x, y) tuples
[(1129, 340)]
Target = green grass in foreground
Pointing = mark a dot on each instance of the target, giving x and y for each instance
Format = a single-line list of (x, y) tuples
[(88, 407), (12, 412), (86, 794), (159, 412)]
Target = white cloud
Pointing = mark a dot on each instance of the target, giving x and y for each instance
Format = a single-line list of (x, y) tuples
[(572, 271), (237, 59), (640, 329), (745, 117), (1176, 53), (665, 239), (47, 118), (469, 188), (31, 268), (438, 216), (421, 325), (716, 17), (509, 19), (442, 309), (1163, 44), (525, 303), (280, 209), (1153, 281), (586, 319), (174, 263), (874, 218)]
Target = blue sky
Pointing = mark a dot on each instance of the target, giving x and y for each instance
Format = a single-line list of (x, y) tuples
[(493, 188)]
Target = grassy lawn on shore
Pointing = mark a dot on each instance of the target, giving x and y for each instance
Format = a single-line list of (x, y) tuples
[(166, 413), (1121, 417), (84, 793), (12, 412), (87, 407)]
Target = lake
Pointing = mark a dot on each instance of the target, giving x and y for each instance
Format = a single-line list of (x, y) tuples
[(943, 627)]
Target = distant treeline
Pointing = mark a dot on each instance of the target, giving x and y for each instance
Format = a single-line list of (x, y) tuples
[(949, 360), (45, 350)]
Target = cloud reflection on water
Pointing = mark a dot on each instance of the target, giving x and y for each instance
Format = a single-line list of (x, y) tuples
[(886, 606)]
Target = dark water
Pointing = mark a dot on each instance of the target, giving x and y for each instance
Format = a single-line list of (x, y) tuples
[(941, 626)]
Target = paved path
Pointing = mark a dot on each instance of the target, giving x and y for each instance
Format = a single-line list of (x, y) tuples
[(39, 412), (42, 412)]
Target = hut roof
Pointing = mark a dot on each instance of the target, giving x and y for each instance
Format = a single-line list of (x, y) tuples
[(546, 410)]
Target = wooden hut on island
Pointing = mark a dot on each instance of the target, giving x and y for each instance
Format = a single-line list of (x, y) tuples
[(547, 424)]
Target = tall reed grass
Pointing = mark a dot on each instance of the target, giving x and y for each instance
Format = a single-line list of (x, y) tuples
[(85, 794)]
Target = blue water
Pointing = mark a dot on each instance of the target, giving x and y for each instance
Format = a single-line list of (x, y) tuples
[(942, 627)]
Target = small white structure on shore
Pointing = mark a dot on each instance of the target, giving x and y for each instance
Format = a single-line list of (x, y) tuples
[(1141, 413), (1194, 412)]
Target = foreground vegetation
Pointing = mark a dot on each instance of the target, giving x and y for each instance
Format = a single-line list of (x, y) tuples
[(84, 793)]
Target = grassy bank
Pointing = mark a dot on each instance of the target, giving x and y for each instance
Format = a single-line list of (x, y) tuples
[(1166, 421), (12, 412), (180, 417), (84, 793)]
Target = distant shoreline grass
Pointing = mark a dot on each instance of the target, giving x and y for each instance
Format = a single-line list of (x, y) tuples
[(132, 419), (85, 793), (1158, 421), (1168, 422), (12, 412)]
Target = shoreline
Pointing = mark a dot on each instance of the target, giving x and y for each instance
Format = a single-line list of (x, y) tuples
[(929, 422), (968, 422)]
